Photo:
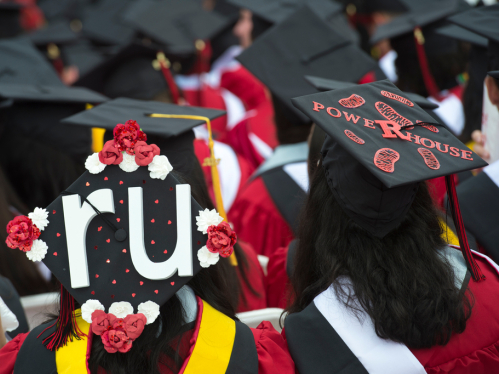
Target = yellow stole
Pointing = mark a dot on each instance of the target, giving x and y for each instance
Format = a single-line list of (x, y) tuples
[(72, 358)]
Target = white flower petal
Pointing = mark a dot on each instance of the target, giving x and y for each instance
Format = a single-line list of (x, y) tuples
[(150, 309), (121, 309), (128, 164), (38, 250), (89, 307), (39, 218), (93, 164), (207, 218), (206, 258), (159, 167)]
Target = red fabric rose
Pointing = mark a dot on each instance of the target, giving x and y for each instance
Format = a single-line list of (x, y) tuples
[(221, 239), (126, 136), (135, 325), (21, 232), (144, 153), (100, 322), (116, 341), (110, 154)]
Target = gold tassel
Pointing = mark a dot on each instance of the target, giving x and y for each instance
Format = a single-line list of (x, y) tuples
[(212, 162)]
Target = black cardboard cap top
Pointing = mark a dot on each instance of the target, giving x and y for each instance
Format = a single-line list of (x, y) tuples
[(176, 24), (303, 45), (275, 11), (418, 17), (120, 110), (324, 84), (483, 21), (54, 94), (414, 162), (21, 62)]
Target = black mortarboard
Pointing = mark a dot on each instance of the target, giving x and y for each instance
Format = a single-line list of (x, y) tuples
[(83, 55), (276, 11), (10, 19), (421, 16), (324, 84), (68, 9), (59, 33), (103, 23), (460, 33), (21, 62), (376, 153), (173, 136), (303, 45), (483, 21), (175, 24), (37, 110)]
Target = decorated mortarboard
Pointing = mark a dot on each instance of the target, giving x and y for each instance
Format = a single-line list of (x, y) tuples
[(303, 45), (324, 84), (21, 62), (379, 146), (122, 239), (275, 11), (181, 26)]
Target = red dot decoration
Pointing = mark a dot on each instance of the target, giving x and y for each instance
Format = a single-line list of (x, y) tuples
[(87, 184), (58, 234), (199, 242), (93, 292), (153, 242), (108, 240), (171, 188), (127, 270), (112, 296), (121, 201), (156, 292), (105, 178), (55, 254), (141, 283), (108, 261), (99, 228), (152, 221), (143, 181), (157, 201), (124, 251), (165, 251), (118, 219), (121, 182), (96, 247), (53, 212), (96, 275), (114, 281), (172, 283), (169, 222), (133, 295)]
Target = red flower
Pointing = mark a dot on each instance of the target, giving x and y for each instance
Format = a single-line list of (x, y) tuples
[(144, 153), (21, 232), (127, 135), (135, 325), (100, 322), (221, 239), (110, 154), (116, 341)]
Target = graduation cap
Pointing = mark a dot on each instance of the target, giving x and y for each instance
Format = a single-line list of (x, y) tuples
[(21, 62), (55, 33), (180, 26), (173, 136), (36, 111), (10, 19), (324, 84), (124, 237), (303, 45), (460, 33), (83, 55), (379, 146), (276, 11), (483, 21)]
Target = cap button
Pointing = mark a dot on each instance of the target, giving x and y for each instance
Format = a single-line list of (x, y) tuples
[(120, 235)]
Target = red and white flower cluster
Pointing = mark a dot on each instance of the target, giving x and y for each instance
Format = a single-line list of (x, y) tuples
[(129, 150), (23, 233), (120, 327), (221, 238)]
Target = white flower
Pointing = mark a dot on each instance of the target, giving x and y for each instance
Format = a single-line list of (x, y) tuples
[(150, 309), (89, 307), (38, 250), (207, 218), (206, 258), (39, 218), (160, 167), (93, 164), (121, 309), (128, 164)]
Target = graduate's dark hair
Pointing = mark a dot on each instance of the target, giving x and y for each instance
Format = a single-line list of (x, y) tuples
[(159, 345), (289, 127), (401, 281)]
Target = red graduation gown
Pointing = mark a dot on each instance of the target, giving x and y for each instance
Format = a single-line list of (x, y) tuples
[(244, 85), (271, 349), (278, 284), (256, 278)]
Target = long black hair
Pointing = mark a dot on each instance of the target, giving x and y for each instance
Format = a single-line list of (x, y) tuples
[(401, 281)]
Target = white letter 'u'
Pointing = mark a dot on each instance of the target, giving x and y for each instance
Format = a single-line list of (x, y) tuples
[(182, 255)]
